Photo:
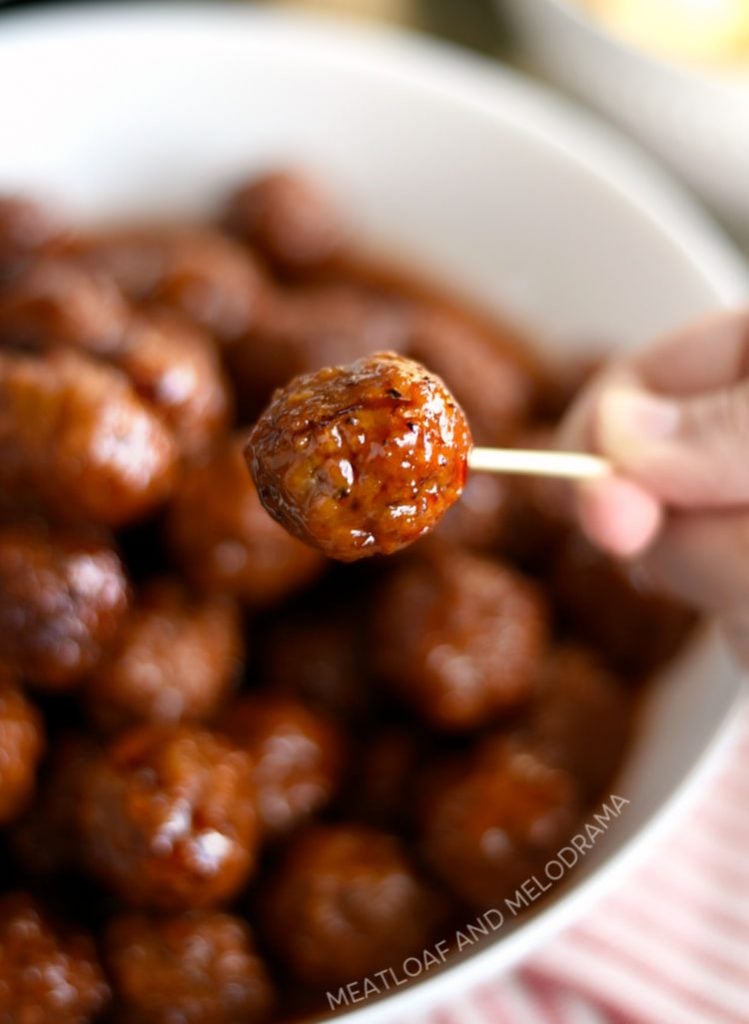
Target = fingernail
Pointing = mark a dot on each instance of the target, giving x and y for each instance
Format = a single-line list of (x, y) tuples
[(629, 419)]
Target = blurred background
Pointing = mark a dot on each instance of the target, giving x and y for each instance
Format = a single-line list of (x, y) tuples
[(470, 22), (674, 74)]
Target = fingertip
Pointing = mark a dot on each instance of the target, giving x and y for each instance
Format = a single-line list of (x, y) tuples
[(619, 516)]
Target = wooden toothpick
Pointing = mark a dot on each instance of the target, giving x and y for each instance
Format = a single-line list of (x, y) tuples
[(530, 462)]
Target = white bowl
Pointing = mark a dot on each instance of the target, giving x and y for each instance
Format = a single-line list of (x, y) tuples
[(695, 119), (491, 182)]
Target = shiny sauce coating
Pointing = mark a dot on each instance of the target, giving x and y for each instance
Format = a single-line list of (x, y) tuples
[(362, 459)]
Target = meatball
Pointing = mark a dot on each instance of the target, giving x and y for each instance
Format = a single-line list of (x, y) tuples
[(309, 328), (289, 217), (317, 655), (63, 595), (75, 435), (175, 368), (363, 459), (606, 603), (57, 303), (45, 974), (225, 541), (580, 718), (167, 818), (21, 743), (195, 968), (175, 660), (490, 374), (212, 281), (296, 756), (134, 258), (199, 273), (491, 822), (346, 903), (26, 227), (459, 637)]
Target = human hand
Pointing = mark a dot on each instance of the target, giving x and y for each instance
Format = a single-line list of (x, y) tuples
[(673, 418)]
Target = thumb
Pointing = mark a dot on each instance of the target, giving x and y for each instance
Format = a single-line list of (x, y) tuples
[(689, 452)]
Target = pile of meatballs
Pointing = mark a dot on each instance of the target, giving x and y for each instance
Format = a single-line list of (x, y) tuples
[(235, 775)]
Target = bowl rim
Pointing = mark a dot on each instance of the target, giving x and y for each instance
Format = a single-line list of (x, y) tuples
[(479, 82), (717, 76), (495, 92)]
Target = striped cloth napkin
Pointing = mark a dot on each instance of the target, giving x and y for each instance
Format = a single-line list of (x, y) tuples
[(670, 946)]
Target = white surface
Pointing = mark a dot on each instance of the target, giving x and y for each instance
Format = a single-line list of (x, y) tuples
[(695, 119), (489, 180)]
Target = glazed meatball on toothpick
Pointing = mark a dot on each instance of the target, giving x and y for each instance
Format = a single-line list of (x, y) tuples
[(362, 459)]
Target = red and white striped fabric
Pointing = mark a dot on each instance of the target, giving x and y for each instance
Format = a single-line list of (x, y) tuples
[(671, 946)]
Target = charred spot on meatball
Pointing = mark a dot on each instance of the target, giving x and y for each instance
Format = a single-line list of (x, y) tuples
[(168, 818), (363, 459)]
